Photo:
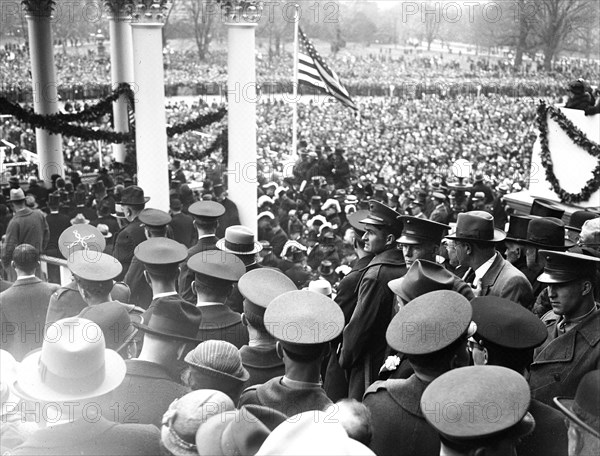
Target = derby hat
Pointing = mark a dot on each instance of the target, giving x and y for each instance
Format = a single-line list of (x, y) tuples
[(239, 240), (218, 358), (562, 267), (507, 324), (466, 390), (517, 228), (422, 277), (543, 208), (17, 194), (326, 268), (186, 414), (584, 409), (73, 364), (177, 320), (429, 323), (476, 226), (547, 233), (81, 237), (417, 230), (133, 196), (578, 218)]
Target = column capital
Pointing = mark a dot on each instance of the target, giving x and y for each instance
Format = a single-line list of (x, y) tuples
[(150, 11), (241, 11), (119, 9), (39, 8)]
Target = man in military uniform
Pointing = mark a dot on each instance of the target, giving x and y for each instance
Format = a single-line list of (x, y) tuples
[(259, 287), (161, 258), (67, 301), (133, 202), (506, 336), (336, 384), (572, 347), (155, 223), (152, 382), (471, 393), (206, 219), (420, 331), (363, 347), (215, 273), (303, 322)]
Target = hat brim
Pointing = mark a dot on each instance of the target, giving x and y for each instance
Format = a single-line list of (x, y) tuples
[(257, 248), (499, 236), (223, 375), (553, 278), (565, 405), (568, 244), (512, 239), (411, 240), (29, 384), (573, 228), (170, 443), (147, 329), (371, 221), (396, 286)]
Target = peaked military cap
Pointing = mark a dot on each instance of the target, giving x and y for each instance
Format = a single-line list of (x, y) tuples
[(207, 209), (380, 214), (475, 402), (429, 323), (154, 217), (564, 267), (506, 323), (218, 265), (260, 286), (355, 218), (160, 253), (304, 318), (80, 237), (94, 266), (417, 230)]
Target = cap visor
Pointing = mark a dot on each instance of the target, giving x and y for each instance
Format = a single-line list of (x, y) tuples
[(372, 221)]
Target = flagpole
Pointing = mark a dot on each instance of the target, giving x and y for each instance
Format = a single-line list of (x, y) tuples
[(295, 88)]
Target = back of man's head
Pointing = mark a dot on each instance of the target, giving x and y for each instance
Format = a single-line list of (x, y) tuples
[(26, 258)]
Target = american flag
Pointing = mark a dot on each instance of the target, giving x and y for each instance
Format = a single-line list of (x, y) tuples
[(313, 71)]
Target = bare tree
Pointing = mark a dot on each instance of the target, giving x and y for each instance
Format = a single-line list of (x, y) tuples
[(203, 15), (432, 19), (557, 21)]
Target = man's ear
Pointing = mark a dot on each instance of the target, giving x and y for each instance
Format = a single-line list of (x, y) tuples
[(479, 452), (148, 279), (244, 319), (390, 239), (586, 287), (194, 287), (279, 349)]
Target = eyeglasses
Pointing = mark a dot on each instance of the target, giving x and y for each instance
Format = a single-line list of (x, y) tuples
[(587, 244)]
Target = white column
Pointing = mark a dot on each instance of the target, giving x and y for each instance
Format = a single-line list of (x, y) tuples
[(121, 70), (150, 117), (45, 94), (242, 100)]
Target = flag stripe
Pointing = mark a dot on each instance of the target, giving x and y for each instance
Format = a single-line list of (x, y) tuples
[(312, 70)]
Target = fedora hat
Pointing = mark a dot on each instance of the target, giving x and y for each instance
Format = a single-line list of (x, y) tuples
[(73, 364), (547, 233), (476, 226), (16, 194), (584, 409), (517, 228), (543, 208), (173, 319), (239, 240), (422, 277), (133, 196)]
